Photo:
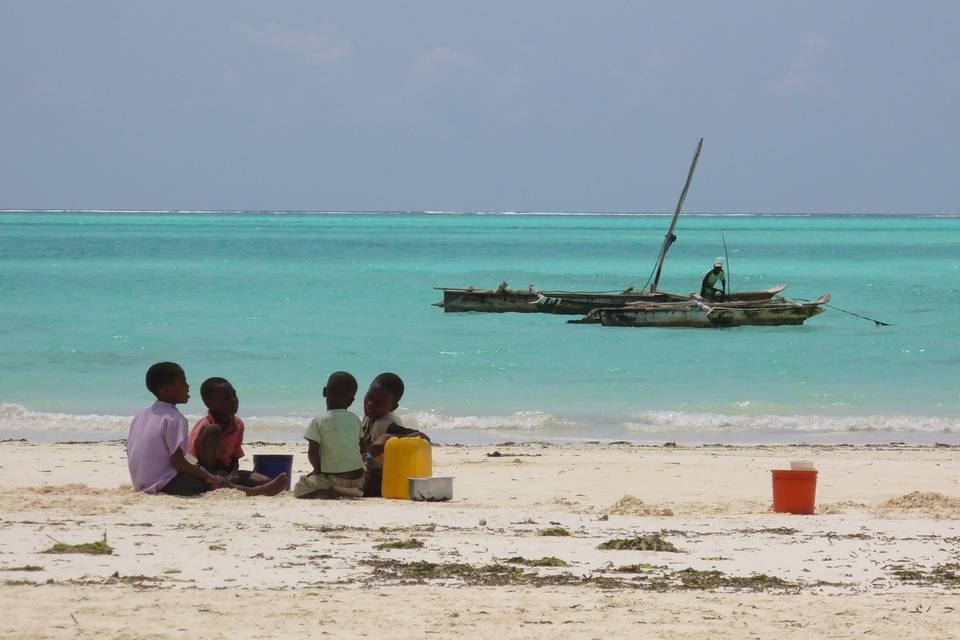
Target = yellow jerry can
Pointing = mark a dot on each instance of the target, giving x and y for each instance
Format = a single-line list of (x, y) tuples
[(405, 458)]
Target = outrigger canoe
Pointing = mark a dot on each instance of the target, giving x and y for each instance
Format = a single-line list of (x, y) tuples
[(649, 307), (700, 313), (506, 300)]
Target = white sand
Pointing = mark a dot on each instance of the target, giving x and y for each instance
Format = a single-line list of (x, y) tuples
[(227, 566)]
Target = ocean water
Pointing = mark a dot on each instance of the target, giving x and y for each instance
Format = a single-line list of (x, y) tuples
[(275, 301)]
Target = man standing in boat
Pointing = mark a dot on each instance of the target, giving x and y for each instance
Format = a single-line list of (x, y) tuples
[(714, 285)]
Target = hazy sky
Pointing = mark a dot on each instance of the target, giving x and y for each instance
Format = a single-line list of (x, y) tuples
[(539, 106)]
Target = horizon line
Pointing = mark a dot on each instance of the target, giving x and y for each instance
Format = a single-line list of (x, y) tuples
[(482, 212)]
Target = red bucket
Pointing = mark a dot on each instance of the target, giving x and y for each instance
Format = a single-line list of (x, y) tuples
[(794, 491)]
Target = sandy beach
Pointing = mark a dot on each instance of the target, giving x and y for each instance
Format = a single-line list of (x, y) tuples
[(880, 558)]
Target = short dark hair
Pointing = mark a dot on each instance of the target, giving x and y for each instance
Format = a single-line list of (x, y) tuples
[(210, 385), (163, 373), (341, 384), (390, 382)]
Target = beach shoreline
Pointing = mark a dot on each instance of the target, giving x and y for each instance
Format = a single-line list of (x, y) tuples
[(645, 428), (879, 556)]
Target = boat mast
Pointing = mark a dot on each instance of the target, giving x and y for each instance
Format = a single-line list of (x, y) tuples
[(669, 239)]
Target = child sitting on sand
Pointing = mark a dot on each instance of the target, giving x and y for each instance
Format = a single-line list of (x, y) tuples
[(379, 425), (334, 449), (216, 441), (158, 439)]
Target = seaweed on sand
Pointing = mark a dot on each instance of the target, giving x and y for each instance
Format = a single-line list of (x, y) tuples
[(553, 531), (412, 543), (98, 548), (946, 575), (548, 561), (503, 575), (324, 528), (777, 531), (492, 574), (648, 542), (486, 575), (693, 579), (640, 567)]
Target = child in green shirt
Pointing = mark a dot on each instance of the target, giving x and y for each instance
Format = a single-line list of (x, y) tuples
[(334, 445)]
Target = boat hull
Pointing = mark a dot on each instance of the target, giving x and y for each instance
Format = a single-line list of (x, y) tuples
[(704, 316), (565, 302)]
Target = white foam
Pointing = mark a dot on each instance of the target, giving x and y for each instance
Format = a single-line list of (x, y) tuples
[(519, 421), (673, 422), (17, 419)]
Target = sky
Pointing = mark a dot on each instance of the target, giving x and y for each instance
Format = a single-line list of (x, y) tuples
[(840, 106)]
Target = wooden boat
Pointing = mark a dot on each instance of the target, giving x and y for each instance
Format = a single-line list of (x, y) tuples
[(700, 313), (648, 307), (506, 300)]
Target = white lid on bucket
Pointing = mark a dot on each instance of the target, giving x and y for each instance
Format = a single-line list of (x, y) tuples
[(801, 465)]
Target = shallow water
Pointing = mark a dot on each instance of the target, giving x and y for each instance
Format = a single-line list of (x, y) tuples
[(276, 301)]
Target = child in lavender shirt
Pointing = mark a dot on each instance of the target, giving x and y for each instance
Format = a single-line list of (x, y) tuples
[(158, 439)]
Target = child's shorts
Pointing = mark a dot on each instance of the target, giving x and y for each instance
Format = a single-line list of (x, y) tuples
[(184, 485), (325, 482)]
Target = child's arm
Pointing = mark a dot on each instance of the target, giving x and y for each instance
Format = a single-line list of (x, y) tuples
[(175, 437), (313, 455), (178, 462), (376, 448), (402, 432)]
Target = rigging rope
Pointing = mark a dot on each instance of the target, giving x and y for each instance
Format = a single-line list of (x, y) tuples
[(646, 284), (879, 323)]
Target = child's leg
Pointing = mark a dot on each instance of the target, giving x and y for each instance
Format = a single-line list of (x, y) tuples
[(348, 492), (312, 486), (256, 479), (248, 478), (322, 485), (320, 494), (207, 445), (372, 486), (269, 488), (350, 487), (184, 485)]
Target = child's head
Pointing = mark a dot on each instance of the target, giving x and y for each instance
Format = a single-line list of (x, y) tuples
[(220, 397), (383, 396), (168, 382), (340, 391)]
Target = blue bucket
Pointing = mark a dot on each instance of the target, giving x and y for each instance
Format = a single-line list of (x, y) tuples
[(272, 465)]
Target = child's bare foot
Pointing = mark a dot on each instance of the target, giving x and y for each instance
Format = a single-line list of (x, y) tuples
[(271, 488), (348, 492)]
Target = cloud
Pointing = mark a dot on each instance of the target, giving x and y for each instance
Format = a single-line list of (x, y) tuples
[(311, 48), (799, 76), (443, 66), (657, 60), (442, 63)]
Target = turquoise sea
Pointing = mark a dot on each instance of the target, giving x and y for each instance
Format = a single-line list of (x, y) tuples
[(275, 301)]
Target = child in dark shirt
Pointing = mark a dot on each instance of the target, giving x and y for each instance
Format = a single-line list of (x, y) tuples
[(379, 425)]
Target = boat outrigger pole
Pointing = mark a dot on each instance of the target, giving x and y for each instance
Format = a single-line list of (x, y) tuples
[(669, 239)]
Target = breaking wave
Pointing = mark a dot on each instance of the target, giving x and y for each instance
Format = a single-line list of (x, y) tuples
[(15, 418), (519, 421), (18, 420), (674, 422)]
